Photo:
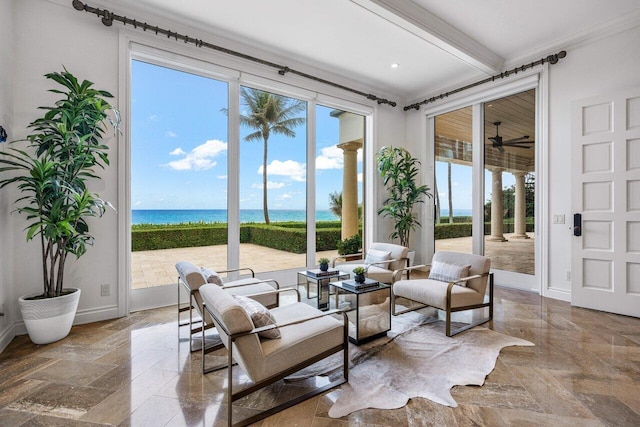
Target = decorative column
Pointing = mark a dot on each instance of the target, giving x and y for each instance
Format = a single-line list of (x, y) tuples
[(520, 215), (496, 207), (350, 188)]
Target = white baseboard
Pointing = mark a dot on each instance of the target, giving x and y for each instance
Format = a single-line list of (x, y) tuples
[(82, 316), (6, 336), (559, 294)]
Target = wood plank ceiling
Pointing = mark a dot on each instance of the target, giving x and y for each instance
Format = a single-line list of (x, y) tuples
[(517, 116)]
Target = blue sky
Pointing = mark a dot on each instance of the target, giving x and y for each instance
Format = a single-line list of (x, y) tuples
[(179, 149)]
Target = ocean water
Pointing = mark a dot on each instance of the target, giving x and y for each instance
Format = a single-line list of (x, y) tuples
[(174, 216)]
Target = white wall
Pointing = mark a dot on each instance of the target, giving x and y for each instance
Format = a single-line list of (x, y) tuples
[(48, 36), (6, 120), (595, 69)]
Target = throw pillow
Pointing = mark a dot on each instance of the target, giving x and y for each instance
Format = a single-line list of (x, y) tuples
[(260, 316), (211, 276), (376, 257), (445, 272)]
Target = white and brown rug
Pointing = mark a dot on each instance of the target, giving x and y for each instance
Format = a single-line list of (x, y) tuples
[(420, 362)]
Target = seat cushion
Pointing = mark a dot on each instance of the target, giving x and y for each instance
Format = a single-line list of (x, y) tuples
[(260, 316), (446, 272), (434, 293), (373, 271)]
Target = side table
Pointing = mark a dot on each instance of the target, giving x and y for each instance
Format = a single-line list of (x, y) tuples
[(306, 278), (368, 310)]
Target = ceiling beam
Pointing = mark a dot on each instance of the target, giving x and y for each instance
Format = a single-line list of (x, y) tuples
[(427, 26)]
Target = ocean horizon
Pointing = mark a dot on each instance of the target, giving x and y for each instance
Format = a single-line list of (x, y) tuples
[(176, 216)]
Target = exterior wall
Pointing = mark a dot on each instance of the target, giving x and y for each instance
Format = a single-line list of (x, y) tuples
[(6, 120)]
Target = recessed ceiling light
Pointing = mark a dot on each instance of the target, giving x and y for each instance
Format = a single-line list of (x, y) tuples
[(395, 65)]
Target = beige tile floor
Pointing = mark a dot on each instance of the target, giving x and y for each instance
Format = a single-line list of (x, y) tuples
[(137, 371), (156, 268)]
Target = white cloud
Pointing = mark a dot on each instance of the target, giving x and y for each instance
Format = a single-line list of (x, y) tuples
[(360, 177), (171, 134), (201, 157), (286, 196), (294, 170), (330, 158), (177, 152), (271, 185), (222, 177), (153, 118)]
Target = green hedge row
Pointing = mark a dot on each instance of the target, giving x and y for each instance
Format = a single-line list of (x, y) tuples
[(289, 237)]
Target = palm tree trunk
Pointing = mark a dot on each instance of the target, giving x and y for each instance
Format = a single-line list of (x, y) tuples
[(264, 182)]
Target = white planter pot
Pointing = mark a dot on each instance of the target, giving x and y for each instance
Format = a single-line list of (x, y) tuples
[(49, 319)]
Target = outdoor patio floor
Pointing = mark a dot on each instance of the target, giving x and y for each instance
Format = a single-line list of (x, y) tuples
[(157, 268)]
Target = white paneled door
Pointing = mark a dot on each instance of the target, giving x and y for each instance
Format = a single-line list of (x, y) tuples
[(606, 182)]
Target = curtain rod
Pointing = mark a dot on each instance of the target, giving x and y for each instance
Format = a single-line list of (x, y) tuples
[(551, 59), (109, 17)]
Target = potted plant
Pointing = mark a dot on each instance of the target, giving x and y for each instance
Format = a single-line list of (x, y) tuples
[(358, 273), (51, 175), (323, 264), (350, 246), (399, 170)]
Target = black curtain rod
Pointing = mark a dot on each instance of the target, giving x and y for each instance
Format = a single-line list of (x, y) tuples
[(109, 17), (551, 59)]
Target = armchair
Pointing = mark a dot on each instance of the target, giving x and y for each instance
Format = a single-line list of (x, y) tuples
[(307, 336), (191, 278), (459, 284), (381, 260)]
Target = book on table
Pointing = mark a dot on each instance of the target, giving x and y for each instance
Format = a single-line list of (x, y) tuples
[(352, 284), (316, 272)]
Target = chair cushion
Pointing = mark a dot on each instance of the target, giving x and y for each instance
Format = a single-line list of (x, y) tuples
[(375, 256), (446, 272), (373, 271), (260, 316), (211, 276), (251, 286), (397, 252), (434, 293)]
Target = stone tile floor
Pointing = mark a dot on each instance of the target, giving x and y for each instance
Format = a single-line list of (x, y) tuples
[(137, 370)]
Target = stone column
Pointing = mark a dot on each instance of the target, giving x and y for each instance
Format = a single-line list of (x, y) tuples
[(350, 188), (520, 214), (496, 207)]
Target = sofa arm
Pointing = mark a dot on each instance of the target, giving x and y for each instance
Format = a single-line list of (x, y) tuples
[(253, 274), (398, 273), (294, 322), (273, 282)]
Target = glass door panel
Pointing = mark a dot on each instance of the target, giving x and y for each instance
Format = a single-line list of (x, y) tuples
[(273, 147), (453, 181), (178, 173), (339, 145), (509, 161)]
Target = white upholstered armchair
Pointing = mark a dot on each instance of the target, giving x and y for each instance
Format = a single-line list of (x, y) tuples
[(379, 261), (456, 282)]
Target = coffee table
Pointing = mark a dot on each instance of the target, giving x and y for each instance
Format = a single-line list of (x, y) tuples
[(321, 282), (368, 310)]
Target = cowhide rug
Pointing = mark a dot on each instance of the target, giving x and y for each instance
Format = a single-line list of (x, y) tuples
[(421, 362)]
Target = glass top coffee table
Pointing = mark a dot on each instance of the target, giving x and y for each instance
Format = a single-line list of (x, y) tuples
[(368, 310), (320, 280)]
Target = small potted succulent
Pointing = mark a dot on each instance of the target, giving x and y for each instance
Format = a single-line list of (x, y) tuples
[(323, 263), (359, 274)]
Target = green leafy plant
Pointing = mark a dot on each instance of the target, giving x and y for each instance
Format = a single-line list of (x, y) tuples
[(350, 245), (64, 149), (399, 170), (323, 260), (358, 271)]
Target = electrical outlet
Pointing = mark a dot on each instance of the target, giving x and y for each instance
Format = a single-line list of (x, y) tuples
[(558, 219), (105, 290)]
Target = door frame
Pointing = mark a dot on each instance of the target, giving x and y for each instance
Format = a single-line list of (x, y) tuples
[(531, 80)]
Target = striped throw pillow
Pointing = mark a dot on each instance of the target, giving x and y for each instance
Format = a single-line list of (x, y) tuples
[(260, 316), (445, 272)]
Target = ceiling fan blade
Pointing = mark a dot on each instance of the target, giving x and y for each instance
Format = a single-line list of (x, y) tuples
[(516, 139), (516, 143), (499, 147), (495, 139)]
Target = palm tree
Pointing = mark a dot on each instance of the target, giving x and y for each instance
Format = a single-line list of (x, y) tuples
[(335, 203), (268, 113)]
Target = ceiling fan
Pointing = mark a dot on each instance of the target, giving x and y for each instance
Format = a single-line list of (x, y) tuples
[(498, 143)]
